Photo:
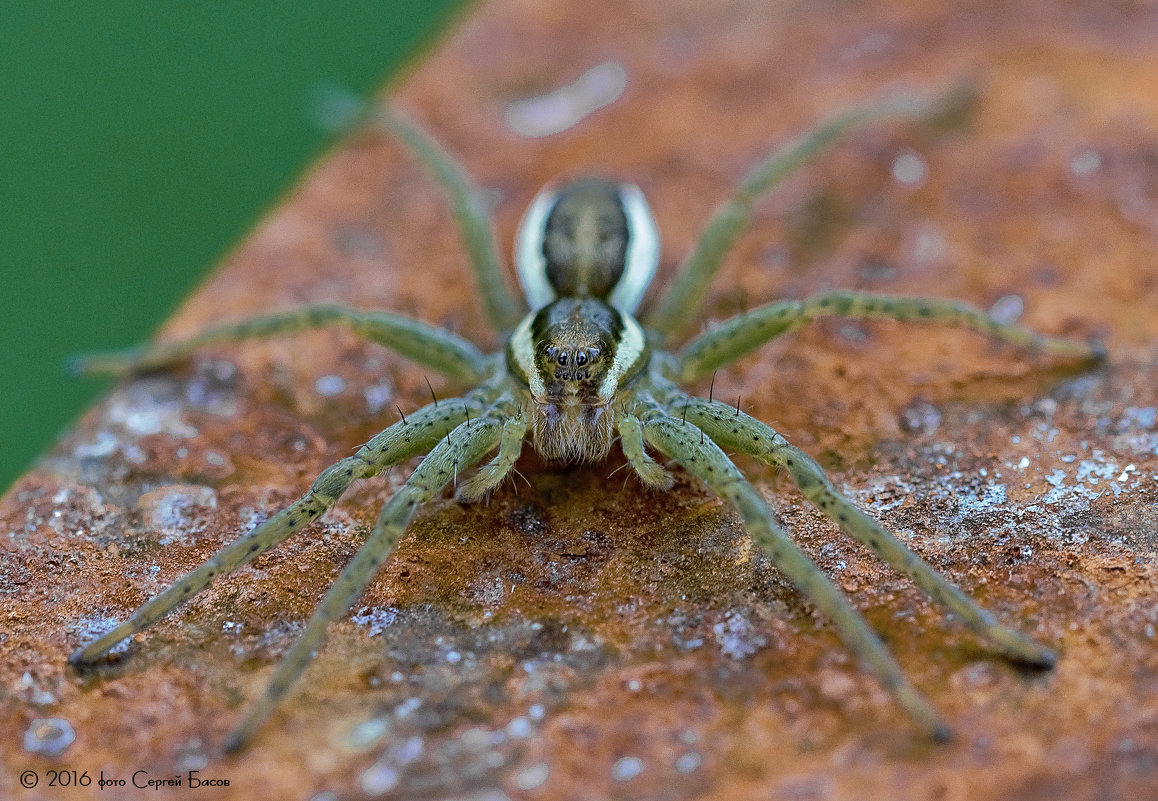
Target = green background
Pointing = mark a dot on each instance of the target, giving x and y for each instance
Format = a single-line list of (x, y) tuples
[(138, 140)]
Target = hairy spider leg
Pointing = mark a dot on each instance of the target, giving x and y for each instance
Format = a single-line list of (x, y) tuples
[(748, 435), (490, 475), (690, 283), (503, 308), (703, 458), (731, 339), (421, 431), (458, 450), (452, 356), (631, 441)]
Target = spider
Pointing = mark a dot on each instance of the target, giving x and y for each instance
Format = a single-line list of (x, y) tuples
[(579, 372)]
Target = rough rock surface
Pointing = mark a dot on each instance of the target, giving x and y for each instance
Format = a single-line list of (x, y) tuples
[(579, 638)]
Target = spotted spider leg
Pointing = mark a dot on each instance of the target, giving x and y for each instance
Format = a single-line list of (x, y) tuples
[(419, 432), (650, 472), (683, 441), (685, 295), (490, 475), (731, 339), (503, 309), (735, 430), (457, 451), (422, 343)]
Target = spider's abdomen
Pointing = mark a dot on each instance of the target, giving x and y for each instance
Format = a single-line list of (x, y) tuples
[(587, 239), (573, 355)]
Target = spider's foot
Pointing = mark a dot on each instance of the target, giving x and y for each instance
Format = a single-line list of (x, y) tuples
[(1097, 350), (921, 711), (653, 474), (98, 649), (83, 661), (1092, 351), (478, 487), (78, 659), (942, 733), (1021, 649), (253, 719), (235, 741), (114, 363)]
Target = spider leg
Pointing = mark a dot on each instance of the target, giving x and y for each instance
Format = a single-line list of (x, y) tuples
[(421, 431), (496, 470), (703, 458), (690, 284), (748, 435), (422, 343), (502, 307), (631, 441), (733, 338), (461, 448)]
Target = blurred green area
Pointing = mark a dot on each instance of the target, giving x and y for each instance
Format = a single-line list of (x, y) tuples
[(139, 140)]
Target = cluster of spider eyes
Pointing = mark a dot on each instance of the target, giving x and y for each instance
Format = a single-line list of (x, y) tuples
[(582, 356)]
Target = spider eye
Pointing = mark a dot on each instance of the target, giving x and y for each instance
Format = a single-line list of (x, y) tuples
[(561, 358), (580, 358)]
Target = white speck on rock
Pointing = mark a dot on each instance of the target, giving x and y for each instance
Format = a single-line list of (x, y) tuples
[(1085, 163), (404, 709), (148, 407), (627, 768), (48, 736), (102, 445), (378, 396), (520, 728), (329, 386), (173, 510), (559, 110), (532, 777), (29, 690), (909, 168), (689, 762), (1007, 309), (376, 619), (379, 779), (736, 637)]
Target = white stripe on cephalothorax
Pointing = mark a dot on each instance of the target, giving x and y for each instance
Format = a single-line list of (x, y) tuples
[(523, 349), (628, 352)]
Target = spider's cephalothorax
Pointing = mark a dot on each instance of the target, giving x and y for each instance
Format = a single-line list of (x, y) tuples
[(579, 372), (573, 355), (579, 250)]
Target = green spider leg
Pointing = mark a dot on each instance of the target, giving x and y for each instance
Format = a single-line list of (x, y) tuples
[(743, 333), (502, 307), (735, 430), (457, 451), (631, 441), (490, 475), (424, 344), (419, 432), (690, 284), (687, 444)]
